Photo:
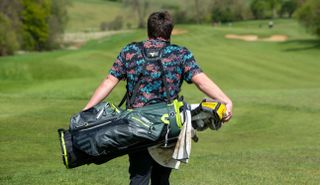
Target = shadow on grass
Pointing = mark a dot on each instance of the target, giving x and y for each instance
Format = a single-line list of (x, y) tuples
[(302, 45)]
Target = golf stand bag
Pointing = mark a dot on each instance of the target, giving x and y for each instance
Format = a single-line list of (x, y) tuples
[(104, 131)]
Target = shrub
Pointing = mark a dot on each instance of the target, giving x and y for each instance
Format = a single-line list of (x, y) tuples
[(181, 16), (32, 25), (228, 11), (288, 7), (309, 16), (116, 24), (8, 40), (260, 9)]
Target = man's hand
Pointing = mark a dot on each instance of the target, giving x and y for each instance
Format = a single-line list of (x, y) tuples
[(228, 115), (206, 85)]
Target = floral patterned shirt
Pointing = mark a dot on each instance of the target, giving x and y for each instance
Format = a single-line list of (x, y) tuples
[(178, 63)]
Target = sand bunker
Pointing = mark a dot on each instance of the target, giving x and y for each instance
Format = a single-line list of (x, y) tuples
[(178, 31), (276, 38), (251, 38)]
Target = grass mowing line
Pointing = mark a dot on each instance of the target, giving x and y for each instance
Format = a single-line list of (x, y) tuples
[(271, 140)]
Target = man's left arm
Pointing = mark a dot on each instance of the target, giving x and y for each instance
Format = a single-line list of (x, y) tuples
[(193, 74), (207, 86)]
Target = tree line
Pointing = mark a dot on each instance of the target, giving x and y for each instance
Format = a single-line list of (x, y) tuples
[(226, 11), (222, 11), (37, 25), (32, 25)]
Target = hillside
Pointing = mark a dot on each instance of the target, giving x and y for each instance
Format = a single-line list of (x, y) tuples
[(87, 15), (272, 139)]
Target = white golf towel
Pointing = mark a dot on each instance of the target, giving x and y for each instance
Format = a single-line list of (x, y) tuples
[(180, 152)]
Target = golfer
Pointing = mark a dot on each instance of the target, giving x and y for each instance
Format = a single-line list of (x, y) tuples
[(178, 64)]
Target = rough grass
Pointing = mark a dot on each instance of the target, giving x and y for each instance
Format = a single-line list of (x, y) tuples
[(87, 15), (272, 139)]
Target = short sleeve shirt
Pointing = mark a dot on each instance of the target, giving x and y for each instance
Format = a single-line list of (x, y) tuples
[(178, 63)]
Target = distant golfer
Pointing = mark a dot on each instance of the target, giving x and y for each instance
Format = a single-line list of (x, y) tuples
[(179, 65), (270, 24)]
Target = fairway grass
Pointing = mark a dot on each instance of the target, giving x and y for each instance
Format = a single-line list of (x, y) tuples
[(273, 137)]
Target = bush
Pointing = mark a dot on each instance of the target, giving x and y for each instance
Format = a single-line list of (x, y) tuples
[(309, 16), (8, 40), (57, 22), (288, 8), (228, 11), (181, 17), (116, 24), (32, 25), (222, 15), (35, 24), (260, 9)]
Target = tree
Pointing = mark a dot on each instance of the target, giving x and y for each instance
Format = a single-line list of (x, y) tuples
[(309, 16), (222, 15), (12, 9), (9, 26), (35, 23), (8, 40), (288, 7), (198, 11), (57, 22), (260, 8), (228, 11), (32, 24), (140, 7), (275, 6), (116, 24)]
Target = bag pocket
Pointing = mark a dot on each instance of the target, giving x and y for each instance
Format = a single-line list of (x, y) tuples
[(144, 126)]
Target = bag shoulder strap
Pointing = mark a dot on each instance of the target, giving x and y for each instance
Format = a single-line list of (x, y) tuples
[(126, 96), (149, 55), (155, 55)]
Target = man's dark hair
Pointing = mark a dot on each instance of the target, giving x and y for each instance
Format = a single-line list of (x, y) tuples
[(160, 24)]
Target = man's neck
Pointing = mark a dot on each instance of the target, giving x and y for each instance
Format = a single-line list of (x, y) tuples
[(159, 39)]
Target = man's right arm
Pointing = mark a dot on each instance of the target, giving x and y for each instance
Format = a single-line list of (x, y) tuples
[(116, 73), (102, 91), (207, 86)]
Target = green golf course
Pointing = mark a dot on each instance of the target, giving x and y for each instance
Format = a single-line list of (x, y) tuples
[(273, 138)]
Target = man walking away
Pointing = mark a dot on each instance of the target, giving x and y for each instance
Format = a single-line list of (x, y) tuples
[(178, 65)]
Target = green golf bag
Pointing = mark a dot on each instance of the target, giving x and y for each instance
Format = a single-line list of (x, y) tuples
[(104, 132)]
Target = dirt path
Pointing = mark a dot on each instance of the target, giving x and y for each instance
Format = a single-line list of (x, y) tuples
[(179, 31), (76, 40)]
